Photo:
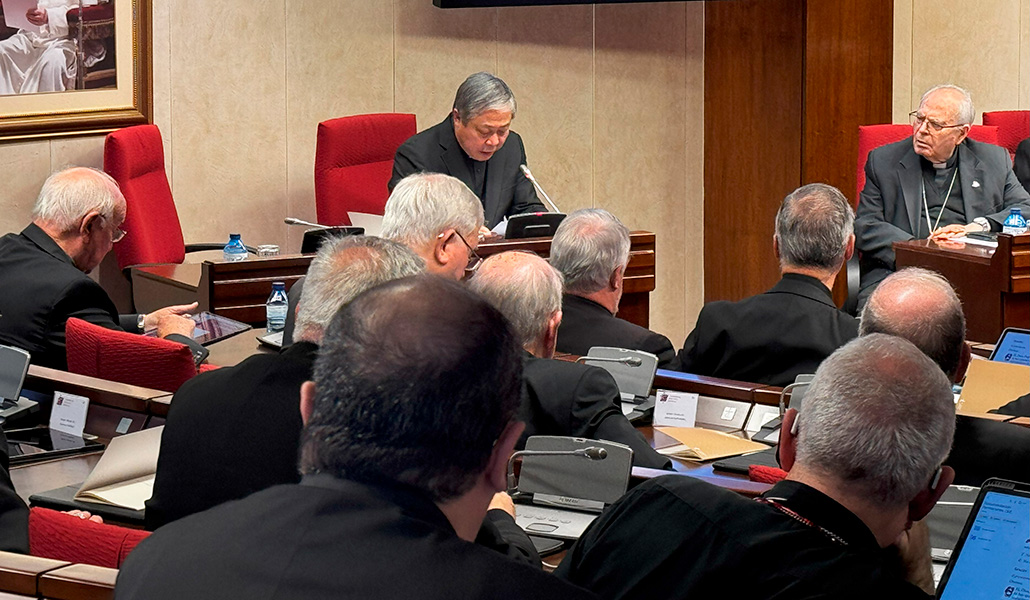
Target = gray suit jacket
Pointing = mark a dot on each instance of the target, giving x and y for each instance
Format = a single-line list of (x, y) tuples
[(890, 204)]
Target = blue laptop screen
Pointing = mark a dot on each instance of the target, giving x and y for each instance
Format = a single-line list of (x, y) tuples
[(1013, 347)]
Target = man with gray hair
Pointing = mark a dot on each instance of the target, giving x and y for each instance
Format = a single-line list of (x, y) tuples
[(591, 250), (75, 223), (475, 144), (864, 461), (559, 397), (773, 337), (439, 218), (937, 183)]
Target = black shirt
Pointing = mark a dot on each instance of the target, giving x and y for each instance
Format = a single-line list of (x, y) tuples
[(679, 537)]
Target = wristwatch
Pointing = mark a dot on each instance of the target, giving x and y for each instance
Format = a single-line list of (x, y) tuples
[(140, 321), (983, 223)]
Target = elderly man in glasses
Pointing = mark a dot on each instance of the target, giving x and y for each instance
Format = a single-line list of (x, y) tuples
[(75, 223), (937, 183)]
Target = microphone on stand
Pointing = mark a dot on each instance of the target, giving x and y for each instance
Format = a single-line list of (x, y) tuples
[(590, 452), (630, 361), (294, 221), (536, 184)]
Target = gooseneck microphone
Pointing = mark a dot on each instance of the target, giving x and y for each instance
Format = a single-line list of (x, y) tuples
[(631, 361), (536, 184), (293, 221), (590, 452)]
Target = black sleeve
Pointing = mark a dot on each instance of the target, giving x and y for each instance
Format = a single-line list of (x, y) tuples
[(660, 346), (405, 162), (14, 515), (1021, 166), (499, 532), (1020, 407)]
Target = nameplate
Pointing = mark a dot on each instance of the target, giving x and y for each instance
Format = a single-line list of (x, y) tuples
[(675, 409), (567, 502), (68, 414)]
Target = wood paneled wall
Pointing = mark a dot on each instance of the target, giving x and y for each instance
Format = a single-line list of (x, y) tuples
[(787, 83)]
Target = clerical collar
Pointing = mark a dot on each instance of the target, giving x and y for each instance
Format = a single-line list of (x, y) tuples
[(948, 163)]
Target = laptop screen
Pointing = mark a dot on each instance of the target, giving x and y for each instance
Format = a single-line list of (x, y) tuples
[(1013, 347), (993, 556)]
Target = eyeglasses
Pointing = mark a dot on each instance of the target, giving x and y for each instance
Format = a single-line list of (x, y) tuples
[(474, 259), (934, 126), (118, 233)]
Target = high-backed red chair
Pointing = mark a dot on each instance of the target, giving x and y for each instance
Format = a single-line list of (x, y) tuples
[(354, 162), (874, 136), (135, 158), (1013, 127), (127, 357), (61, 536)]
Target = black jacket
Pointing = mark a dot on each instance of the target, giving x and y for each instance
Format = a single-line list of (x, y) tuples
[(1021, 165), (14, 515), (586, 324), (507, 191)]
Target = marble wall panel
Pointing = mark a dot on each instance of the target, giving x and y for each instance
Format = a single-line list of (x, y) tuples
[(23, 167), (86, 151)]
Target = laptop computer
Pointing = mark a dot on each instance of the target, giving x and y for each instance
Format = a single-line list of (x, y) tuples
[(992, 556), (1013, 347)]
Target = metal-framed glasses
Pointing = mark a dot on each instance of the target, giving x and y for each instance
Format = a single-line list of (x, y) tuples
[(474, 259), (918, 119), (117, 234)]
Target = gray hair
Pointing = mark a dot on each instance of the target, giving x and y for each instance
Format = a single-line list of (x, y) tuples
[(69, 195), (343, 268), (524, 288), (813, 226), (964, 112), (587, 248), (481, 92), (879, 418), (920, 306), (423, 205)]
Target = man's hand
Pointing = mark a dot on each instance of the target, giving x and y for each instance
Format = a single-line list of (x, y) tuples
[(953, 231), (151, 321), (36, 16), (914, 550), (170, 324), (85, 515), (502, 501)]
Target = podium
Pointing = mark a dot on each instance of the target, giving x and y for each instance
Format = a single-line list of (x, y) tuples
[(993, 283)]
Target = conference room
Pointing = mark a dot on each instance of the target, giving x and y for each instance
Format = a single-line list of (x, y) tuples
[(689, 121)]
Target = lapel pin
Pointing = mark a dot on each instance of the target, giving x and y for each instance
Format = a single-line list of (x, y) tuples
[(976, 184)]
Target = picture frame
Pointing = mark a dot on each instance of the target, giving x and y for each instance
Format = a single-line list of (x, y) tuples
[(126, 101)]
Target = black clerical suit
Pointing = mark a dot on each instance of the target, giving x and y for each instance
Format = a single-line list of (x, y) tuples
[(770, 338), (1021, 165), (42, 288), (890, 207), (505, 190), (325, 538), (585, 324), (679, 537), (565, 398), (14, 515)]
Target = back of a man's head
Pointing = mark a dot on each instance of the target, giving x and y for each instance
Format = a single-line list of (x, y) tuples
[(921, 307), (813, 226), (69, 195), (524, 288), (416, 379), (589, 245), (878, 420), (424, 205), (342, 269)]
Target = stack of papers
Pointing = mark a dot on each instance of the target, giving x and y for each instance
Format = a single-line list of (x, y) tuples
[(696, 444), (125, 474)]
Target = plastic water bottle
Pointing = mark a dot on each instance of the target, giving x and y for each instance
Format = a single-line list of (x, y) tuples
[(276, 307), (1014, 223), (234, 251)]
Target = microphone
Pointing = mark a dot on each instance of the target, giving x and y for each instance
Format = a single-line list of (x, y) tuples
[(630, 361), (536, 184), (293, 221), (590, 452)]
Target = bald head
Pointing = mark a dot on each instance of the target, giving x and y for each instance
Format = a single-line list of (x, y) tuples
[(527, 291), (921, 307)]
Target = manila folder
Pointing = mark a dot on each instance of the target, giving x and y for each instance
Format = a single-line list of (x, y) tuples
[(697, 444), (125, 474)]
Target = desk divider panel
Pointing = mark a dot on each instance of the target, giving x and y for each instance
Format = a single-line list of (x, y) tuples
[(78, 582), (20, 574)]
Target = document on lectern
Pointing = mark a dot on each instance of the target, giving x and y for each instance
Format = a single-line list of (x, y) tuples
[(697, 444), (125, 474)]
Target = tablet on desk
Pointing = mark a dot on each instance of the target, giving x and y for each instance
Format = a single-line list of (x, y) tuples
[(210, 328), (1013, 347), (38, 444)]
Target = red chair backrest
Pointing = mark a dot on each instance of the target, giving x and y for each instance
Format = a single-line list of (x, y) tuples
[(354, 162), (874, 136), (1013, 127), (135, 158), (127, 357), (61, 536)]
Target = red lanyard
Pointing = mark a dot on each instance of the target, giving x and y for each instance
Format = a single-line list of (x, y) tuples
[(775, 503)]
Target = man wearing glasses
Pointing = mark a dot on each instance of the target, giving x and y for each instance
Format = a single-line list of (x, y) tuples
[(938, 183), (75, 223)]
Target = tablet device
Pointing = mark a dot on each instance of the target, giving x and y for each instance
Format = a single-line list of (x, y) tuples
[(209, 328), (1013, 347), (38, 444)]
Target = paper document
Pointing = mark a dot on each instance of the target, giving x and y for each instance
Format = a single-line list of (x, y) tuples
[(125, 474), (991, 384), (373, 224), (14, 14), (696, 444), (976, 242)]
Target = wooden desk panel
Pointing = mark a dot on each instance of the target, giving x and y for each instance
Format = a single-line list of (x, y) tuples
[(78, 582), (19, 574)]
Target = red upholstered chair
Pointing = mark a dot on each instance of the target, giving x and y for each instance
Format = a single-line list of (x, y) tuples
[(61, 536), (354, 162), (135, 158), (1013, 127), (127, 357)]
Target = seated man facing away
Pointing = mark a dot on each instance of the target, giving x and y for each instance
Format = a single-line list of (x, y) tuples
[(409, 424), (772, 337), (44, 270), (439, 218), (921, 306), (864, 462), (560, 398), (591, 250)]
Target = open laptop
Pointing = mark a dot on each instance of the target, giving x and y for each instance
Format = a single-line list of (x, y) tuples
[(1013, 347), (992, 556)]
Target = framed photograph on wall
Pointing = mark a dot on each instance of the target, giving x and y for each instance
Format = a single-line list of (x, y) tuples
[(73, 67)]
